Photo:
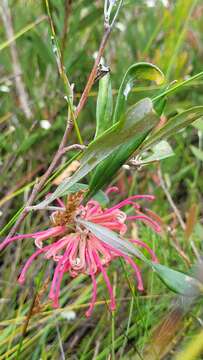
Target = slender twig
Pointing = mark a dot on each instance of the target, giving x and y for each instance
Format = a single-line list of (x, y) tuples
[(50, 208), (93, 73), (107, 31), (72, 116), (73, 147), (20, 88)]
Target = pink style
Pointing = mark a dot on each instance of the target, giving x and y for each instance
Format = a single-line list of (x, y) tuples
[(76, 250)]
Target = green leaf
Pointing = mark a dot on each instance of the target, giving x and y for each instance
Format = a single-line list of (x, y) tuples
[(160, 151), (177, 281), (177, 87), (160, 105), (139, 71), (112, 239), (197, 152), (138, 120), (107, 169), (104, 106), (75, 188), (173, 125)]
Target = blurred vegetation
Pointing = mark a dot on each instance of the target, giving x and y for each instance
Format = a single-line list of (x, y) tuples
[(168, 34)]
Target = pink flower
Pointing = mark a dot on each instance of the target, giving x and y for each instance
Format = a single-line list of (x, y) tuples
[(76, 250)]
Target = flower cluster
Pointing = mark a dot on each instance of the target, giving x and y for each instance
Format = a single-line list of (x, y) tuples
[(76, 250)]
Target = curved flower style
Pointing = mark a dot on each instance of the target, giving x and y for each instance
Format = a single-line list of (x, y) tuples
[(76, 250)]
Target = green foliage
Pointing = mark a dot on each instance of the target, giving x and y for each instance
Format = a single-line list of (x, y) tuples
[(104, 106), (138, 120), (108, 168), (157, 152), (178, 282), (174, 124), (139, 71), (170, 37)]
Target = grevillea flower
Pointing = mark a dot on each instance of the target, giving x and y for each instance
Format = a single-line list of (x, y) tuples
[(76, 250)]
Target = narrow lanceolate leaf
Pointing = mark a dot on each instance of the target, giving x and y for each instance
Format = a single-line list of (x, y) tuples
[(160, 105), (159, 151), (112, 239), (173, 125), (104, 106), (108, 168), (76, 187), (140, 119), (139, 71), (177, 281)]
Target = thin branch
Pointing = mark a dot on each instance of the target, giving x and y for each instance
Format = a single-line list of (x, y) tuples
[(73, 147), (72, 116), (93, 73), (107, 31), (20, 88), (48, 208)]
